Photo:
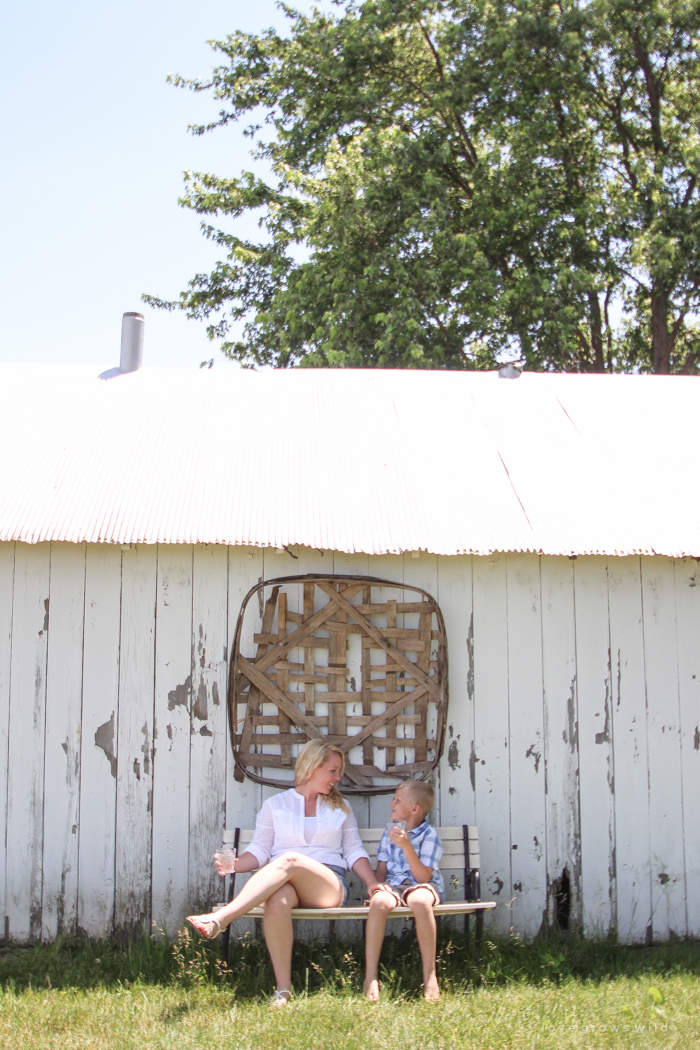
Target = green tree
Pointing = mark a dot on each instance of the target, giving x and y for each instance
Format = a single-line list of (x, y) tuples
[(644, 78), (453, 180)]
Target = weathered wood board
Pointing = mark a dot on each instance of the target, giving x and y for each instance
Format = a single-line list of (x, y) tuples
[(98, 764), (457, 794), (664, 743), (632, 832), (27, 722), (561, 752), (526, 730), (687, 580), (208, 741), (64, 696), (135, 739), (7, 575), (594, 694), (171, 737), (492, 736)]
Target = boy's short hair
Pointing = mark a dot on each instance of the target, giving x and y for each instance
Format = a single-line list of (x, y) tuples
[(420, 793)]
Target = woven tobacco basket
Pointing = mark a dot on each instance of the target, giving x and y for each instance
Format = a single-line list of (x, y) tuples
[(357, 660)]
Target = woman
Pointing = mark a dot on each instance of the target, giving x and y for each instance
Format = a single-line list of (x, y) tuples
[(305, 840)]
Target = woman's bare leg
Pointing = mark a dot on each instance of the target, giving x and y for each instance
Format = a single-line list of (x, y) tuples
[(421, 904), (380, 907), (316, 887), (279, 934)]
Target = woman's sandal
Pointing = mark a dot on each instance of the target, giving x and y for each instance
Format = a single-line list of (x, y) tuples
[(209, 929), (279, 998)]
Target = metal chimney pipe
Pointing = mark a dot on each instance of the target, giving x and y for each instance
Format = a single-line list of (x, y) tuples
[(131, 357)]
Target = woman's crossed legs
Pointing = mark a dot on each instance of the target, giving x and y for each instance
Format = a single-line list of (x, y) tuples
[(420, 900), (287, 882)]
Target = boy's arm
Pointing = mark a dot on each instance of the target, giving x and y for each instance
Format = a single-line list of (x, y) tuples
[(380, 873), (420, 871)]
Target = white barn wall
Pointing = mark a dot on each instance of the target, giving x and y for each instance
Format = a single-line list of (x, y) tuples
[(572, 731)]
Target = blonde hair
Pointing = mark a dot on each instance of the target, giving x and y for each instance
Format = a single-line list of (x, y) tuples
[(314, 754), (420, 793)]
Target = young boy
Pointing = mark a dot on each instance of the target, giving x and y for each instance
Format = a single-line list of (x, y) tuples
[(407, 865)]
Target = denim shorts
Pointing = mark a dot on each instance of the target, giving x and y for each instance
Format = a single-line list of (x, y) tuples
[(343, 880)]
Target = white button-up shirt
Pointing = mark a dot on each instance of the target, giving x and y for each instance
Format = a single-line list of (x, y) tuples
[(279, 828)]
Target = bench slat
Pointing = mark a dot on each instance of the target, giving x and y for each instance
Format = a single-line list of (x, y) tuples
[(359, 912)]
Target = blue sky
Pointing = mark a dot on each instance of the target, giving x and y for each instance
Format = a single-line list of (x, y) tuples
[(94, 145)]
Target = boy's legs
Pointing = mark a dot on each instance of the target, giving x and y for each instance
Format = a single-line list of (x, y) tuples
[(421, 901), (380, 907)]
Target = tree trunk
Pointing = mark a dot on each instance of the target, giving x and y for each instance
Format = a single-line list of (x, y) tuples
[(596, 332), (662, 339)]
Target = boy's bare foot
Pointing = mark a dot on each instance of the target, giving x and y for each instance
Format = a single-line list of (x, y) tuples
[(372, 991), (431, 989)]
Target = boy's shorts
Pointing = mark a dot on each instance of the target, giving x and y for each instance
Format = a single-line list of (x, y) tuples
[(401, 893)]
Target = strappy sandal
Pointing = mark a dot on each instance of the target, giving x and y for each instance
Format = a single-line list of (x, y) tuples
[(279, 997), (209, 929)]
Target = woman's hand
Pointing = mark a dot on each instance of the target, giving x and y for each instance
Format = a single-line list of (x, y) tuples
[(219, 868), (376, 887)]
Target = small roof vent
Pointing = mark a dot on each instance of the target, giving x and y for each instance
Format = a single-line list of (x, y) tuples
[(511, 370), (131, 356)]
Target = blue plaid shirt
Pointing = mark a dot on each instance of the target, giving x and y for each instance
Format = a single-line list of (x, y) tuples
[(426, 842)]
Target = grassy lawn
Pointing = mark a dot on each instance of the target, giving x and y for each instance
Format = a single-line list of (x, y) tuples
[(561, 993)]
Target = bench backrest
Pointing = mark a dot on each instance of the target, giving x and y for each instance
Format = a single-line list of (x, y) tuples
[(453, 841)]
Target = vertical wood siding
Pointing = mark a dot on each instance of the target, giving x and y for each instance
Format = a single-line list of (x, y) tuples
[(98, 764), (572, 736), (561, 736), (64, 696), (171, 759), (591, 690), (7, 572), (26, 736)]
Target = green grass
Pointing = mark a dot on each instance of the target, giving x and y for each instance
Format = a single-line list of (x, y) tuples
[(562, 992)]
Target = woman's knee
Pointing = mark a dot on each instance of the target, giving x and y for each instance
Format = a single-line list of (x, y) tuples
[(289, 862), (281, 902)]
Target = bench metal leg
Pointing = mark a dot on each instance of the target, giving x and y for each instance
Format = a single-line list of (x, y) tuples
[(479, 936), (226, 935)]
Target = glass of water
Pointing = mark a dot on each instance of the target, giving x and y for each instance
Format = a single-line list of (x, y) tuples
[(396, 825), (226, 856)]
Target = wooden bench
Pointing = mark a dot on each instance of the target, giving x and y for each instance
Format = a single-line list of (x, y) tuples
[(461, 852)]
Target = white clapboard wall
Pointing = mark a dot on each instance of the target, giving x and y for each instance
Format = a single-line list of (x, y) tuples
[(572, 737)]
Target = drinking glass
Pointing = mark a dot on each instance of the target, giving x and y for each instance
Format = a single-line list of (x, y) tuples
[(226, 856), (396, 825)]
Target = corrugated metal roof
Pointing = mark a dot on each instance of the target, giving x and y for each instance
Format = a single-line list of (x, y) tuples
[(372, 461)]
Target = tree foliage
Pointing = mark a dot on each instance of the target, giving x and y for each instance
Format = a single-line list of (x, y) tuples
[(453, 180)]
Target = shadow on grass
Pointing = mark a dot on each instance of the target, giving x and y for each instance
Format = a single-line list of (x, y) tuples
[(334, 965)]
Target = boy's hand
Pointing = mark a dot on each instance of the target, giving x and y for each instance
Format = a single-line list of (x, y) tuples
[(399, 836)]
